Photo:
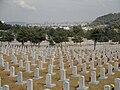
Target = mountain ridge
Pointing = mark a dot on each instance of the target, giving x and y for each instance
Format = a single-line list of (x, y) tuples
[(108, 19)]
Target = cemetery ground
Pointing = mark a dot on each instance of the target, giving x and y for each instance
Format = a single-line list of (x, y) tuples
[(40, 84)]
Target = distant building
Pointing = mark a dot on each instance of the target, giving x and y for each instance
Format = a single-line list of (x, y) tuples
[(2, 22), (3, 30), (64, 27), (86, 28)]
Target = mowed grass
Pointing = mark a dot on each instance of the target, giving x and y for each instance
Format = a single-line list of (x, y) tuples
[(40, 84)]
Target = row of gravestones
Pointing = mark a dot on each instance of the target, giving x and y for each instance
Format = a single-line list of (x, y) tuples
[(63, 75), (24, 56), (50, 70), (66, 85), (35, 56), (24, 50)]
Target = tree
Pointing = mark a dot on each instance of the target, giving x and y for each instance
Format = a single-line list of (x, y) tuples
[(103, 39), (78, 31), (112, 33), (58, 36), (7, 37), (37, 36), (119, 34), (5, 33), (15, 30), (77, 39), (22, 35), (78, 34), (95, 36), (25, 33)]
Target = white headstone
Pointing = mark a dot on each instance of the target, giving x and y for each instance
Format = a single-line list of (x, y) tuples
[(116, 66), (61, 58), (52, 62), (111, 59), (82, 84), (29, 84), (66, 85), (12, 71), (61, 65), (79, 61), (105, 60), (93, 56), (93, 78), (43, 59), (84, 70), (87, 59), (36, 74), (33, 62), (100, 62), (5, 87), (15, 60), (41, 65), (16, 52), (6, 66), (26, 58), (117, 84), (92, 65), (71, 63), (21, 64), (63, 75), (110, 70), (0, 81), (28, 68), (48, 81), (74, 72), (1, 62), (115, 58), (50, 69), (76, 57), (36, 56), (20, 79), (102, 74), (107, 87)]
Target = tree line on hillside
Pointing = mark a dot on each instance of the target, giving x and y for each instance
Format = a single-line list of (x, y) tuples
[(56, 36), (112, 19)]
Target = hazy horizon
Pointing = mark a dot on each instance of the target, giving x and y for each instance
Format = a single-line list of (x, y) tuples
[(57, 11)]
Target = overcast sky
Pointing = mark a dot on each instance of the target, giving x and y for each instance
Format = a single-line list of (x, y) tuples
[(56, 10)]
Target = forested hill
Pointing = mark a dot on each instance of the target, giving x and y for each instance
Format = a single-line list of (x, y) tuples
[(109, 19)]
